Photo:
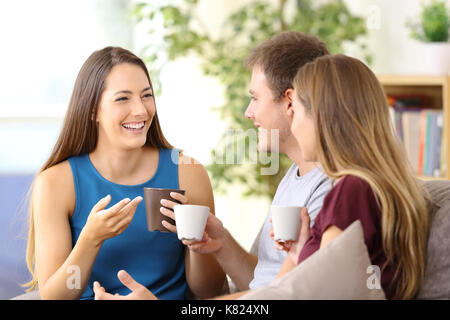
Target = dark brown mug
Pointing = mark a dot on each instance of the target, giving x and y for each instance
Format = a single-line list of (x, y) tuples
[(152, 198)]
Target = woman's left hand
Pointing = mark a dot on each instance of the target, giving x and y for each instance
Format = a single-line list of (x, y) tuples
[(293, 248), (138, 291), (169, 212)]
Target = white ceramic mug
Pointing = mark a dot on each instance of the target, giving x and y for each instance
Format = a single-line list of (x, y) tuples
[(286, 221), (190, 221)]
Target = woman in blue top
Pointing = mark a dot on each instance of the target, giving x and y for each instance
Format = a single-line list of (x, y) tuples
[(86, 220)]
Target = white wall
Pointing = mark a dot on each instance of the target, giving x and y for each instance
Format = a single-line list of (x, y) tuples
[(44, 44), (393, 50)]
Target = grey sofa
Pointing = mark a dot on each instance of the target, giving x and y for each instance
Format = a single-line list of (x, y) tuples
[(436, 284)]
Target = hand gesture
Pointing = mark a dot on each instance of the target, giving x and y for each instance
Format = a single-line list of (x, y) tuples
[(138, 291), (104, 223), (168, 207)]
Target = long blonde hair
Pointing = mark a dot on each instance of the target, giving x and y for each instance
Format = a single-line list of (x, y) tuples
[(79, 132), (354, 131)]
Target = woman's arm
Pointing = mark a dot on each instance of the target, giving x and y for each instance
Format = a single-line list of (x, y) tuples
[(62, 273), (329, 235), (204, 275)]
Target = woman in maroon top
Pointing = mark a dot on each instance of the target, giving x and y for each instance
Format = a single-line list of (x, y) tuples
[(340, 117)]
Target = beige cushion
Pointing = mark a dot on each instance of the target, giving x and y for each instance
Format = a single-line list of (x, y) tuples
[(337, 271)]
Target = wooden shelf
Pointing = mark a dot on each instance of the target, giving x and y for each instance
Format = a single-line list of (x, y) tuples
[(412, 80), (438, 88), (427, 178)]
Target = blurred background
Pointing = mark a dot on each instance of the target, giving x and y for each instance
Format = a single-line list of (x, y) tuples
[(194, 51)]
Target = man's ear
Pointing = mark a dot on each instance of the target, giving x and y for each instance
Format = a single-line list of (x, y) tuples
[(289, 94)]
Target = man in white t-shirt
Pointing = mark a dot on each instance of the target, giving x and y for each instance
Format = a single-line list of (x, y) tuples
[(274, 64)]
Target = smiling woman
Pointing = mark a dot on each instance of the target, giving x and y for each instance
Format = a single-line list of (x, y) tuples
[(110, 147), (125, 116)]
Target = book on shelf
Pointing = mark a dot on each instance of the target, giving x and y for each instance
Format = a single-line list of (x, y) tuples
[(420, 129)]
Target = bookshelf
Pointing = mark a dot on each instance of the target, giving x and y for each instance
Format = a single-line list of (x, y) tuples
[(438, 90)]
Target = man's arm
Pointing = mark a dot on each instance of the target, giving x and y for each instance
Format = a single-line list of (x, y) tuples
[(203, 273), (236, 262), (233, 296)]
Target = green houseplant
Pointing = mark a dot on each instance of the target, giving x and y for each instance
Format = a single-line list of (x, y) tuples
[(222, 57), (433, 29)]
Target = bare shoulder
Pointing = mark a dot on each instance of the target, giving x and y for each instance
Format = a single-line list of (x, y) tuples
[(55, 176), (55, 185), (189, 166), (194, 178)]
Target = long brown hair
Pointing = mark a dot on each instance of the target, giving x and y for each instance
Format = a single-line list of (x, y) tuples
[(79, 132), (354, 132)]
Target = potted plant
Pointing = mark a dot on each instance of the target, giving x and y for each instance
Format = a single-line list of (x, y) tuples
[(433, 30)]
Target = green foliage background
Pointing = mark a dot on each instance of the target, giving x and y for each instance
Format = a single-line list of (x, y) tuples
[(434, 23), (222, 57)]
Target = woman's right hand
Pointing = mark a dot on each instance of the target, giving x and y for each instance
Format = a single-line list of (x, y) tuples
[(104, 224)]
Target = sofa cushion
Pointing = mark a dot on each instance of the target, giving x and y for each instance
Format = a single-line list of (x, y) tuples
[(436, 283), (439, 191), (341, 270)]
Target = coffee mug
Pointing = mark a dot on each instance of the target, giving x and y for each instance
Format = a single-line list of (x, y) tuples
[(286, 221), (191, 221), (152, 197)]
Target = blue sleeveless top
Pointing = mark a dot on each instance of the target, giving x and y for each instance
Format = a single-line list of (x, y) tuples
[(154, 259)]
